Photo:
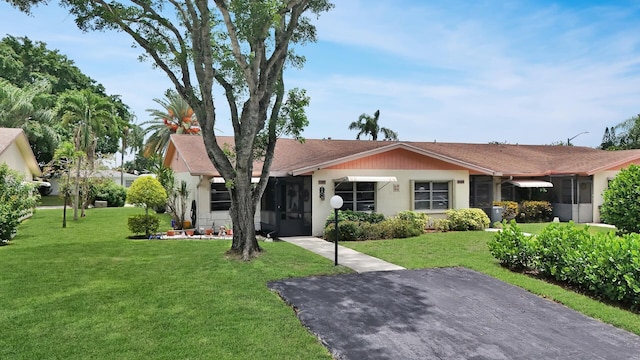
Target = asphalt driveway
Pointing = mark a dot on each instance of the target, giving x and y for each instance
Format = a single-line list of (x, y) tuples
[(451, 313)]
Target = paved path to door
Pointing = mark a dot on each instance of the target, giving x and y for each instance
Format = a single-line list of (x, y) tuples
[(347, 257)]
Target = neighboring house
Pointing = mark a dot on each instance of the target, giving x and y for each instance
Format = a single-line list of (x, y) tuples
[(17, 154), (114, 175), (388, 177)]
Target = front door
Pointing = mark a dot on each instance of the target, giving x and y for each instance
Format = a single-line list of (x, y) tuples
[(585, 202), (293, 209)]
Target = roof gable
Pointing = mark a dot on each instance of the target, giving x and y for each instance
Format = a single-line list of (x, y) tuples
[(9, 136), (396, 159)]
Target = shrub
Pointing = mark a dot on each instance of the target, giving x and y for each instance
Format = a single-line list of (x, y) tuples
[(512, 248), (357, 216), (510, 209), (621, 204), (349, 231), (143, 224), (107, 190), (147, 192), (17, 200), (356, 226), (442, 225), (535, 211), (400, 228), (467, 219), (602, 263), (417, 219), (559, 247)]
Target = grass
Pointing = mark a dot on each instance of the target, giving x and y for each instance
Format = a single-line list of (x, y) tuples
[(51, 200), (469, 249), (88, 292), (536, 228)]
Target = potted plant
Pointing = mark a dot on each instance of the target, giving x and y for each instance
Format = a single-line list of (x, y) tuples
[(171, 232), (189, 232)]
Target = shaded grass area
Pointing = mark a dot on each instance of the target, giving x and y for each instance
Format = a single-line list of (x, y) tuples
[(86, 292), (469, 249), (51, 200)]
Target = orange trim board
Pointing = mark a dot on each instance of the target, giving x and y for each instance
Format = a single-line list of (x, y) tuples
[(398, 159)]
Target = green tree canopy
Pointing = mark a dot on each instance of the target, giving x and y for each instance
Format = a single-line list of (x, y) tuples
[(32, 79), (24, 62), (623, 136), (23, 108), (146, 191), (241, 46)]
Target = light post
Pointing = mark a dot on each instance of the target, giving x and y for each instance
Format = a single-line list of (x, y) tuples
[(569, 139), (336, 203)]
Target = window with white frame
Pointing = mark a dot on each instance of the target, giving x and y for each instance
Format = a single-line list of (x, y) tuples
[(357, 196), (220, 197), (431, 195)]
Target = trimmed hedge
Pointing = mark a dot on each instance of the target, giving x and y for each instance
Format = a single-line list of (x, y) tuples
[(512, 248), (602, 263), (526, 211), (143, 224), (535, 211), (467, 219), (358, 226), (357, 216)]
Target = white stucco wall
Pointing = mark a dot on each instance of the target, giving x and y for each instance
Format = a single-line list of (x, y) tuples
[(388, 201), (600, 182), (16, 161)]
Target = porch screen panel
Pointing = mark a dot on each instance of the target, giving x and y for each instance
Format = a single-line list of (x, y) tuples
[(220, 198)]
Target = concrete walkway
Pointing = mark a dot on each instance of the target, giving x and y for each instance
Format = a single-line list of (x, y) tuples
[(347, 257)]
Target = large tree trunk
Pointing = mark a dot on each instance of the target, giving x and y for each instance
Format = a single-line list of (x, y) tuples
[(245, 243)]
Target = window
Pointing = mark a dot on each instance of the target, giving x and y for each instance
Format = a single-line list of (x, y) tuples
[(357, 196), (220, 197), (430, 195)]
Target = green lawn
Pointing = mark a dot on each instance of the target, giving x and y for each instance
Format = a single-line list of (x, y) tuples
[(469, 249), (88, 292), (536, 228)]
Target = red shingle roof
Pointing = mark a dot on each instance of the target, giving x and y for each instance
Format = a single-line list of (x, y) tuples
[(292, 157)]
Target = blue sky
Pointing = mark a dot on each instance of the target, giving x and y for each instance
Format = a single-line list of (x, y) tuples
[(527, 72)]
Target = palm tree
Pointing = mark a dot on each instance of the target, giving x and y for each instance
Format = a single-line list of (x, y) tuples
[(65, 155), (176, 117), (23, 108), (368, 125), (133, 139), (91, 116)]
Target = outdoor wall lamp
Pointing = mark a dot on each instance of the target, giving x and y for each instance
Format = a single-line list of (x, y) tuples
[(336, 203), (321, 192)]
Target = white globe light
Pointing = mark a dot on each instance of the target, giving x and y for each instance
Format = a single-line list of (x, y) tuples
[(336, 201)]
